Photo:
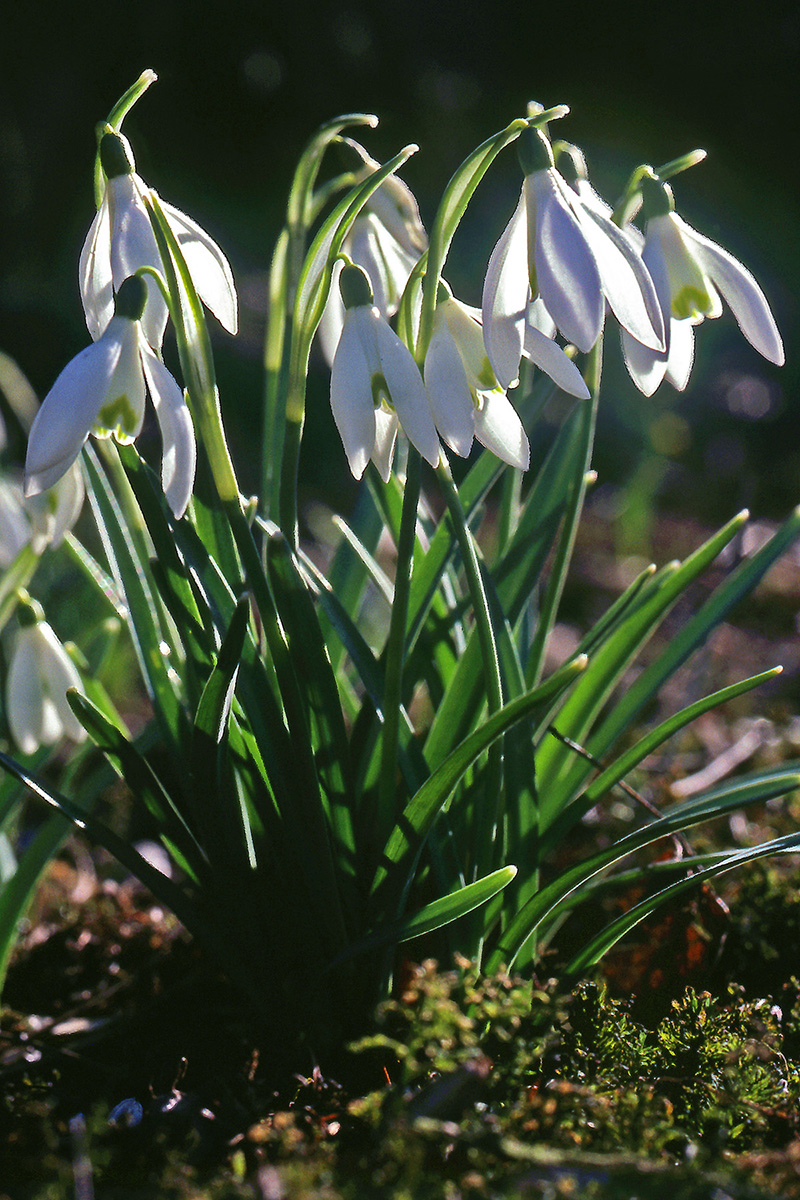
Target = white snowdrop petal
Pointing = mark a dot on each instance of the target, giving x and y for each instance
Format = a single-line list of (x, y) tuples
[(15, 526), (331, 322), (351, 394), (94, 272), (58, 673), (566, 272), (625, 279), (209, 268), (554, 362), (746, 299), (133, 245), (451, 400), (68, 495), (505, 295), (23, 695), (406, 390), (68, 412), (681, 354), (646, 367), (499, 429), (538, 316), (386, 425), (178, 446)]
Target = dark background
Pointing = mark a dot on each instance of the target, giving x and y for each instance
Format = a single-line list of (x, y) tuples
[(243, 84)]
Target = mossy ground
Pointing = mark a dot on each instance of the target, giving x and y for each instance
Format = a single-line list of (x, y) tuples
[(465, 1087)]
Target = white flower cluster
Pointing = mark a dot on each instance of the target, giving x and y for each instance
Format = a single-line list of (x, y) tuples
[(559, 265), (102, 391)]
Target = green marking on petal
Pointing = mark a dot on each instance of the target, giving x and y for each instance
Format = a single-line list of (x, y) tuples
[(117, 419), (691, 302), (380, 391), (486, 378)]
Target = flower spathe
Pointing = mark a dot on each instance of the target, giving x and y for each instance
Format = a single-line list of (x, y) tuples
[(39, 674), (121, 240), (691, 273), (376, 386), (561, 251), (102, 391)]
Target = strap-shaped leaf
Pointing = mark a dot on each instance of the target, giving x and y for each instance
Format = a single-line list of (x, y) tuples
[(17, 575), (131, 576), (436, 914), (211, 784), (599, 945), (515, 578), (406, 840), (557, 779), (626, 762), (140, 777), (712, 804), (313, 671), (741, 582)]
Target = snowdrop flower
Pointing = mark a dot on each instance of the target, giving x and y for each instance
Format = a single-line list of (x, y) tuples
[(42, 520), (466, 400), (386, 239), (560, 250), (39, 673), (690, 272), (121, 240), (102, 391), (376, 386)]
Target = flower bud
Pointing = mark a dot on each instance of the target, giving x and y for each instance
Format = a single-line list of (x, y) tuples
[(355, 286), (534, 151), (657, 198), (131, 298), (116, 157)]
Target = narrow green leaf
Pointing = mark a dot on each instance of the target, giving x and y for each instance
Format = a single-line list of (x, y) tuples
[(140, 777), (408, 836), (559, 775), (621, 766), (433, 916), (17, 575), (594, 950), (313, 671), (131, 577), (709, 806)]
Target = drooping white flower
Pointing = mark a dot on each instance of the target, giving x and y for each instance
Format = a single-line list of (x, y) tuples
[(560, 250), (39, 673), (102, 391), (121, 240), (376, 386), (41, 520), (386, 239), (466, 400), (690, 273)]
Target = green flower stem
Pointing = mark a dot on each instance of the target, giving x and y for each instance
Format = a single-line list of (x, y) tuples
[(274, 374), (489, 820), (294, 419), (250, 555), (395, 649), (558, 574)]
